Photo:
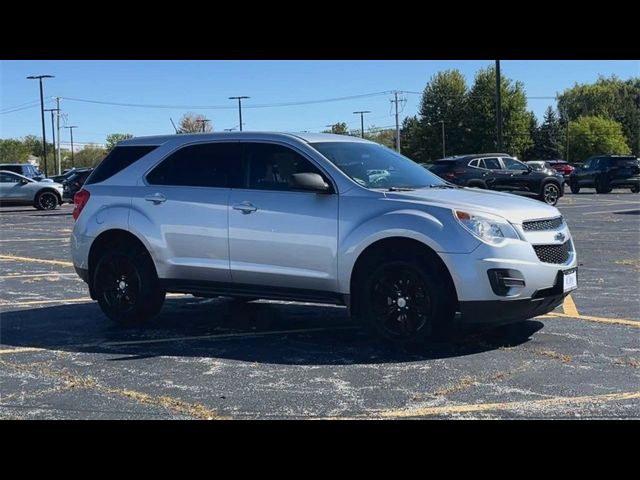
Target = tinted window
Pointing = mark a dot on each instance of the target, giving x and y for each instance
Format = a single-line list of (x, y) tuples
[(8, 178), (512, 164), (203, 165), (118, 159), (474, 163), (624, 162), (355, 159), (12, 168), (271, 166), (492, 163), (442, 167)]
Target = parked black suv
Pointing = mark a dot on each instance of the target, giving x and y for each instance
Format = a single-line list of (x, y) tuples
[(499, 171), (74, 183), (606, 172)]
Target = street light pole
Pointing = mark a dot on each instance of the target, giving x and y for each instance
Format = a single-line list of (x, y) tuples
[(203, 121), (498, 107), (71, 127), (44, 135), (362, 112), (53, 135), (239, 107), (444, 150)]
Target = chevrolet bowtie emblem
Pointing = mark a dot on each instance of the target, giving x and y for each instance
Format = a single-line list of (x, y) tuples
[(559, 236)]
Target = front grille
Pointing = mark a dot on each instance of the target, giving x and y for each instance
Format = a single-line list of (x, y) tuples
[(536, 225), (553, 253)]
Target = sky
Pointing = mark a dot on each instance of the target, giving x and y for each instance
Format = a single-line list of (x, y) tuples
[(182, 84)]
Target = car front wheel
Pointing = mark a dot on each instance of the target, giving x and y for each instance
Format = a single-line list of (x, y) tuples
[(550, 193), (126, 286), (404, 300)]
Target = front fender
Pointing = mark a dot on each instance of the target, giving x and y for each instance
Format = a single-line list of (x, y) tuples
[(441, 234)]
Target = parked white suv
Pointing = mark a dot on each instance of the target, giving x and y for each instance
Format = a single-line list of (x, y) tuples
[(313, 217)]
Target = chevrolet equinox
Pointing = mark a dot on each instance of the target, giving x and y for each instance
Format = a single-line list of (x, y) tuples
[(316, 218)]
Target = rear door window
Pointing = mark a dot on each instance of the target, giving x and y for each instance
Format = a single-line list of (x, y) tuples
[(492, 163), (214, 165)]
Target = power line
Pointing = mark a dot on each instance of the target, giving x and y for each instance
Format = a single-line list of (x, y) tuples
[(226, 107), (19, 109)]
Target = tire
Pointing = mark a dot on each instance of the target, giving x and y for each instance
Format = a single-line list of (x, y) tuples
[(635, 189), (404, 299), (575, 188), (46, 201), (550, 193), (602, 185), (126, 286)]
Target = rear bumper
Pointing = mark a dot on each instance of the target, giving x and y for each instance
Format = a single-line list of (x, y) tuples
[(496, 312)]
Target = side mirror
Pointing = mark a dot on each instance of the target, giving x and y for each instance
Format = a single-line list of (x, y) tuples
[(527, 171), (311, 182), (23, 181)]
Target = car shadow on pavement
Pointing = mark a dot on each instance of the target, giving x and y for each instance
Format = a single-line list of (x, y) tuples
[(262, 332)]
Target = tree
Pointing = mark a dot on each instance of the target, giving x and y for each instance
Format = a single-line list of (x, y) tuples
[(193, 122), (13, 151), (339, 128), (384, 136), (89, 156), (114, 138), (481, 115), (443, 100), (610, 98), (594, 136), (411, 143), (548, 138)]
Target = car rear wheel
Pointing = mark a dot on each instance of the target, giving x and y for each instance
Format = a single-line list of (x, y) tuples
[(575, 188), (550, 193), (602, 185), (127, 287), (404, 300), (46, 201)]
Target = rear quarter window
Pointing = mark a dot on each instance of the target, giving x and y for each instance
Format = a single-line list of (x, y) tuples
[(624, 162), (117, 160)]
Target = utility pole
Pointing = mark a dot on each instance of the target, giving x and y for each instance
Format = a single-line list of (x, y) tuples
[(362, 112), (498, 107), (53, 135), (444, 150), (44, 135), (396, 101), (566, 153), (71, 127), (58, 128), (239, 107), (203, 122)]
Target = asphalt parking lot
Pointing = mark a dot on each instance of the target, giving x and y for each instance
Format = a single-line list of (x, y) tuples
[(218, 358)]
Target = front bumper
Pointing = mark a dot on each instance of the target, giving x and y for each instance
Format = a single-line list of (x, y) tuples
[(543, 289)]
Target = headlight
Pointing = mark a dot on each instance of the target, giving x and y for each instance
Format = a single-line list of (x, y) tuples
[(489, 228)]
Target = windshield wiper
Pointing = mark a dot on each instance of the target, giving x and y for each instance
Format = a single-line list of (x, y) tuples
[(443, 185), (400, 189)]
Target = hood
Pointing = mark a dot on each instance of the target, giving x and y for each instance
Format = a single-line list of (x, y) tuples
[(514, 208)]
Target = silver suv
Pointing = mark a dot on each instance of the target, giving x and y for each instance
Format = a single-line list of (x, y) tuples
[(313, 217)]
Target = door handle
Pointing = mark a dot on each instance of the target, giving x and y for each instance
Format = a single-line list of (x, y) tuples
[(156, 198), (245, 207)]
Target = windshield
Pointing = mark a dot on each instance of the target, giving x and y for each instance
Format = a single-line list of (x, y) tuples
[(375, 166)]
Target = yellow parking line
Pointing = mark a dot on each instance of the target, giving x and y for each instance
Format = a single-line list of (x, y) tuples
[(20, 350), (589, 318), (569, 306), (43, 302), (34, 275), (484, 407), (5, 240), (230, 335), (35, 260)]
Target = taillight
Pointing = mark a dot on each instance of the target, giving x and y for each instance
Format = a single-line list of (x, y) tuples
[(454, 174), (80, 199)]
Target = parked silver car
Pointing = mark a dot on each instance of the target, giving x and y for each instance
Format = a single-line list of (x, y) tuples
[(18, 189), (295, 217)]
